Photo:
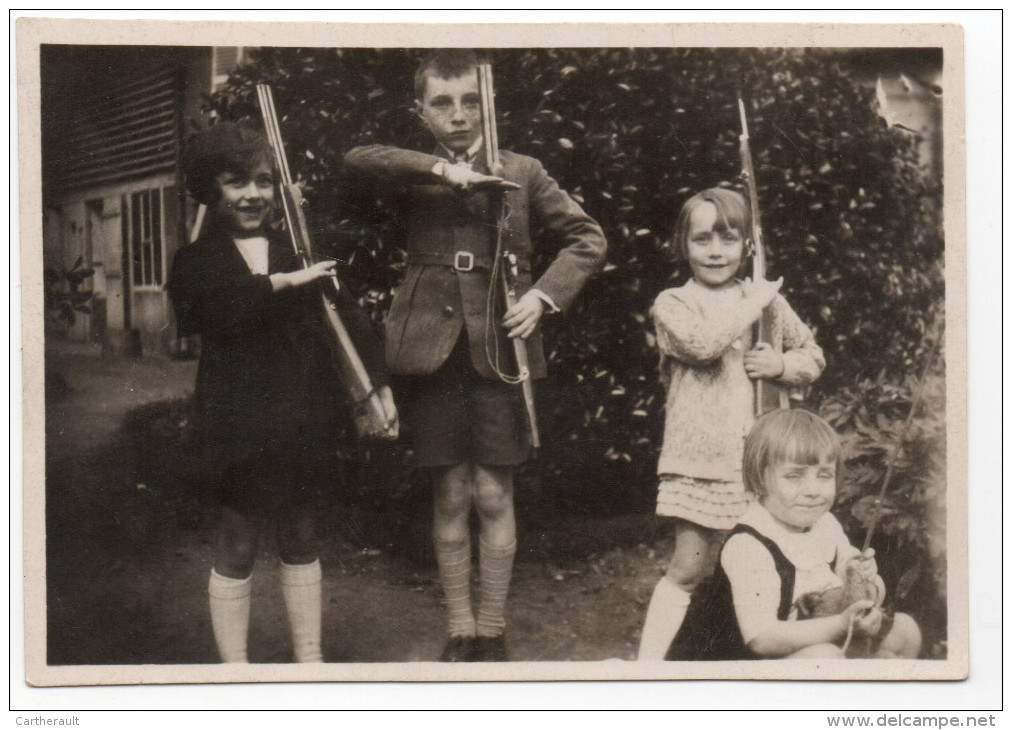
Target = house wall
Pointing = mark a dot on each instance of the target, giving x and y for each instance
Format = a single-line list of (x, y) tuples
[(88, 220)]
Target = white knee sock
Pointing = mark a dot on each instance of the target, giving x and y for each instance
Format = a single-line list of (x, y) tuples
[(664, 617), (454, 560), (230, 599), (301, 586), (495, 569)]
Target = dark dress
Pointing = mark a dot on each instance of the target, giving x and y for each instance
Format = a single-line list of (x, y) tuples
[(710, 631), (270, 409)]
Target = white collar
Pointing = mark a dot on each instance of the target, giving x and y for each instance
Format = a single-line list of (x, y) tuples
[(805, 550), (254, 251), (469, 154)]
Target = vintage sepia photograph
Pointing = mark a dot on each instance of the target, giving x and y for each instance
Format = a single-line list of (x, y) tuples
[(380, 354)]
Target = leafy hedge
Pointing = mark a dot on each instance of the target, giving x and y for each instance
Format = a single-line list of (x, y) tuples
[(909, 535)]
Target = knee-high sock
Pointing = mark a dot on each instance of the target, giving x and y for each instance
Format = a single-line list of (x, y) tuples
[(301, 586), (454, 559), (664, 617), (495, 569), (230, 599)]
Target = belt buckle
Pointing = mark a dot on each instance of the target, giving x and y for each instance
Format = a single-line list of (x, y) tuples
[(463, 261)]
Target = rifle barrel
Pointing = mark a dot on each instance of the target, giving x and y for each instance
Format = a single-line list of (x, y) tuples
[(768, 396), (744, 119), (502, 255), (368, 407), (488, 125)]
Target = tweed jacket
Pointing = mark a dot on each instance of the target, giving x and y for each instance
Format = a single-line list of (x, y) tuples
[(435, 302), (703, 336), (265, 368)]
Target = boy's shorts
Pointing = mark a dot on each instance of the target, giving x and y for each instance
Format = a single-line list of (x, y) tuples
[(457, 416)]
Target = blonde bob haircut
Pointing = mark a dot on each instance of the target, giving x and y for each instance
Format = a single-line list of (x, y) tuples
[(796, 436), (732, 213)]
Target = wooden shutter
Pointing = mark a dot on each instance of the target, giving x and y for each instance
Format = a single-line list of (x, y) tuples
[(132, 131)]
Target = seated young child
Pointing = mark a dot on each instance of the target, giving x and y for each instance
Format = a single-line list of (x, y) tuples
[(787, 554)]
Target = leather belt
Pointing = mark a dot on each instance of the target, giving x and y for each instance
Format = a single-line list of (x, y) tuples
[(461, 260)]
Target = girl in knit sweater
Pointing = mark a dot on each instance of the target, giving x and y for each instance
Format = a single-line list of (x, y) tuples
[(708, 363)]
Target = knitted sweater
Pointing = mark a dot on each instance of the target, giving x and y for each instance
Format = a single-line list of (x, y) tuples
[(702, 335)]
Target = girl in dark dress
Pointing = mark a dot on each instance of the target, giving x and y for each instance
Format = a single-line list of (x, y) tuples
[(269, 404)]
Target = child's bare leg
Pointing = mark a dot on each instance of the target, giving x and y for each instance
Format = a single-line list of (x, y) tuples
[(818, 651), (696, 551), (452, 539), (301, 581), (903, 641), (230, 582), (493, 497)]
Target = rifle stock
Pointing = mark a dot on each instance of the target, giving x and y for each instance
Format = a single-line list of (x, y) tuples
[(505, 260), (768, 396), (369, 414)]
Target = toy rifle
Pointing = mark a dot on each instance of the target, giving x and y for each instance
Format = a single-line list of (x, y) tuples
[(504, 265), (370, 417), (768, 396)]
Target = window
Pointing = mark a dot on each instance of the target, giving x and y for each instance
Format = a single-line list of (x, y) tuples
[(225, 60), (144, 231)]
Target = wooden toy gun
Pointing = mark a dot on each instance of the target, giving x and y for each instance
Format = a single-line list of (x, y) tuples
[(768, 396), (369, 415), (504, 265)]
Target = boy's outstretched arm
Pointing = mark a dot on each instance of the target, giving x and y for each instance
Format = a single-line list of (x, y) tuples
[(382, 162)]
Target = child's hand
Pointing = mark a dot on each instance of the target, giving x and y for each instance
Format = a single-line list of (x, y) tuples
[(861, 578), (370, 425), (319, 270), (764, 362), (463, 178), (390, 409), (523, 317), (869, 623), (853, 613), (762, 291), (865, 564), (301, 277)]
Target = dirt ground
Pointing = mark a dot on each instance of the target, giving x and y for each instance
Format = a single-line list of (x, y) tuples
[(127, 563)]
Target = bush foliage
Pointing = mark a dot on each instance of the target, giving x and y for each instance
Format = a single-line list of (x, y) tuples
[(851, 220), (908, 528)]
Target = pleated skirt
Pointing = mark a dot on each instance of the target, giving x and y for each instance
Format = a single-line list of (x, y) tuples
[(705, 502)]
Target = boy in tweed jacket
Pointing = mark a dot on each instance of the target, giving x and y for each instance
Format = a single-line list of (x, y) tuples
[(468, 426)]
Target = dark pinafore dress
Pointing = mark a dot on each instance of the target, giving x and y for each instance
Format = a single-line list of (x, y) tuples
[(710, 631)]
